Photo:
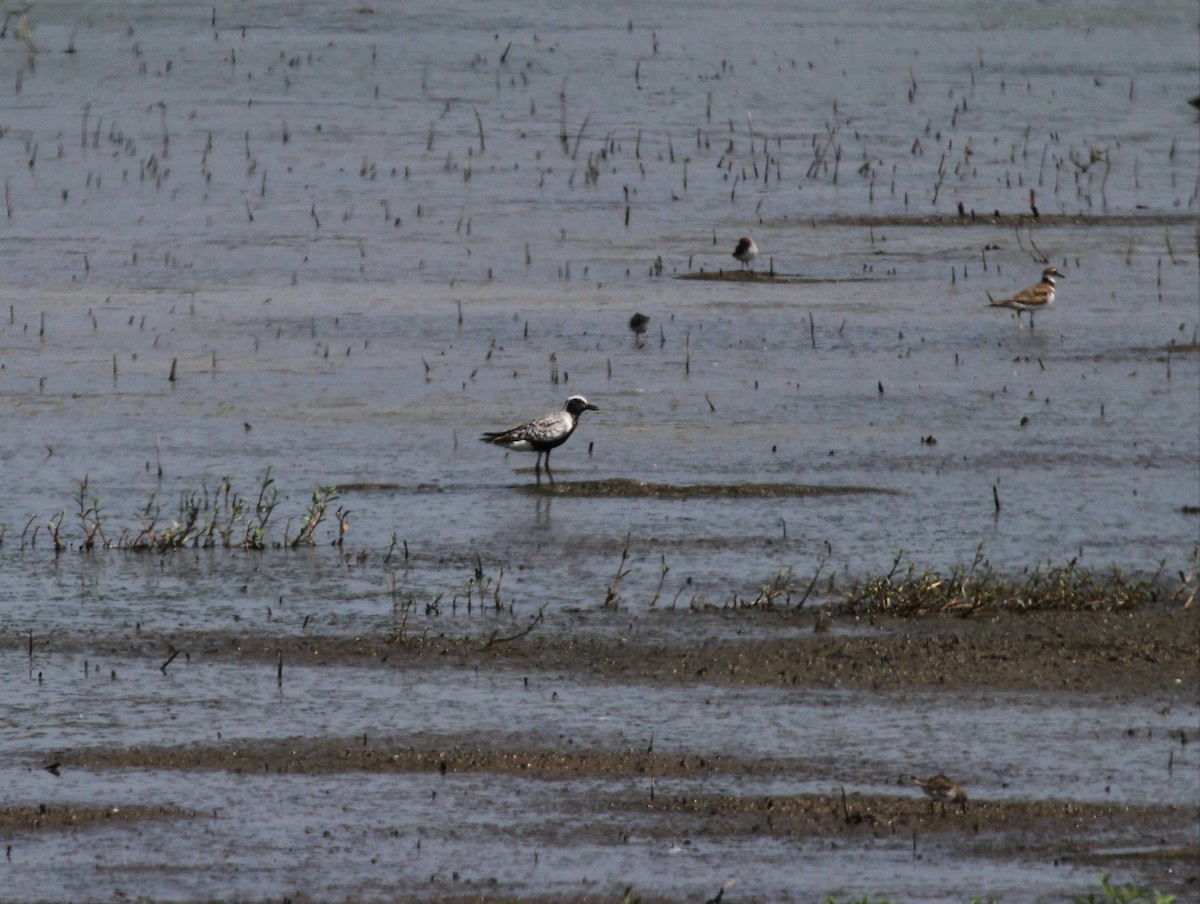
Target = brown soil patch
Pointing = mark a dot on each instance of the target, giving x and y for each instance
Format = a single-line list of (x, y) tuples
[(1133, 653), (739, 276), (29, 819), (1137, 654), (639, 489)]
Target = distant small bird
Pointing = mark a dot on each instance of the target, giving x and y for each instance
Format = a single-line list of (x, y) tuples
[(638, 323), (746, 251), (1033, 299), (544, 433), (941, 790)]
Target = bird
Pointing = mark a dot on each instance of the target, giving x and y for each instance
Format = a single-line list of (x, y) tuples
[(1033, 299), (543, 434), (639, 322), (746, 251), (941, 790)]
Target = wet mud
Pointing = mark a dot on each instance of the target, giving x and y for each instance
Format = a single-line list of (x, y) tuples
[(1135, 655), (1137, 652), (641, 489), (309, 727), (18, 820)]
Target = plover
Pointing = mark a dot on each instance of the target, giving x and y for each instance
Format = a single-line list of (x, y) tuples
[(941, 790), (746, 251), (1033, 299), (544, 433), (639, 323)]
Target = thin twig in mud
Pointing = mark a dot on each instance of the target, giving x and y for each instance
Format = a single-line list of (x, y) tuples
[(1170, 251), (1036, 253), (404, 609), (89, 518), (495, 637), (1040, 257), (610, 601), (496, 594), (662, 579), (53, 527), (811, 585), (479, 123), (579, 137), (343, 517), (562, 123)]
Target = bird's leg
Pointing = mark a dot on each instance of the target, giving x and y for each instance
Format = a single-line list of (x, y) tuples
[(537, 467), (549, 473)]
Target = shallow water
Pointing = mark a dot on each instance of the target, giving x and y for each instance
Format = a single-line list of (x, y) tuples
[(1091, 747), (361, 237)]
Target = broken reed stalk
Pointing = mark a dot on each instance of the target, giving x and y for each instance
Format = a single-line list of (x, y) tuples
[(664, 568), (479, 123), (496, 638), (610, 600)]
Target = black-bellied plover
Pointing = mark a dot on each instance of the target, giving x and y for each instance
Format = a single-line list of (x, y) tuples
[(746, 251), (1033, 299), (943, 791), (544, 433)]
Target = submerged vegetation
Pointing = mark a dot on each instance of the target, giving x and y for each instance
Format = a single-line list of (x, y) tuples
[(204, 519), (226, 519)]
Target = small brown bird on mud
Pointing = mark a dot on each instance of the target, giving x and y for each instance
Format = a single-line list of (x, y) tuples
[(942, 790)]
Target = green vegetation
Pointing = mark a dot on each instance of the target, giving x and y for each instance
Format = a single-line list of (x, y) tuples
[(968, 589), (1123, 894), (204, 519), (1108, 894), (224, 518)]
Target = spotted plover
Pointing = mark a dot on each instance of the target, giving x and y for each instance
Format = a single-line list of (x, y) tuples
[(1033, 299), (544, 433), (941, 790), (746, 251)]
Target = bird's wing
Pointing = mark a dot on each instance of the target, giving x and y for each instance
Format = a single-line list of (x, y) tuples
[(539, 429), (1034, 295)]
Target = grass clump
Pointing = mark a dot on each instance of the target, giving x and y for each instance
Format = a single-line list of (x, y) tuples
[(1123, 894), (966, 589), (206, 519)]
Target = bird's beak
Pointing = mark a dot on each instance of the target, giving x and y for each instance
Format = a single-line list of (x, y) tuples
[(591, 407)]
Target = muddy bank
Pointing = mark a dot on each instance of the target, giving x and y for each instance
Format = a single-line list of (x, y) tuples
[(16, 820), (640, 489), (1131, 653)]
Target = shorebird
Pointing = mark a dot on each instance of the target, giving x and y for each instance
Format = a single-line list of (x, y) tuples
[(639, 323), (1033, 299), (746, 251), (544, 433), (943, 791)]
